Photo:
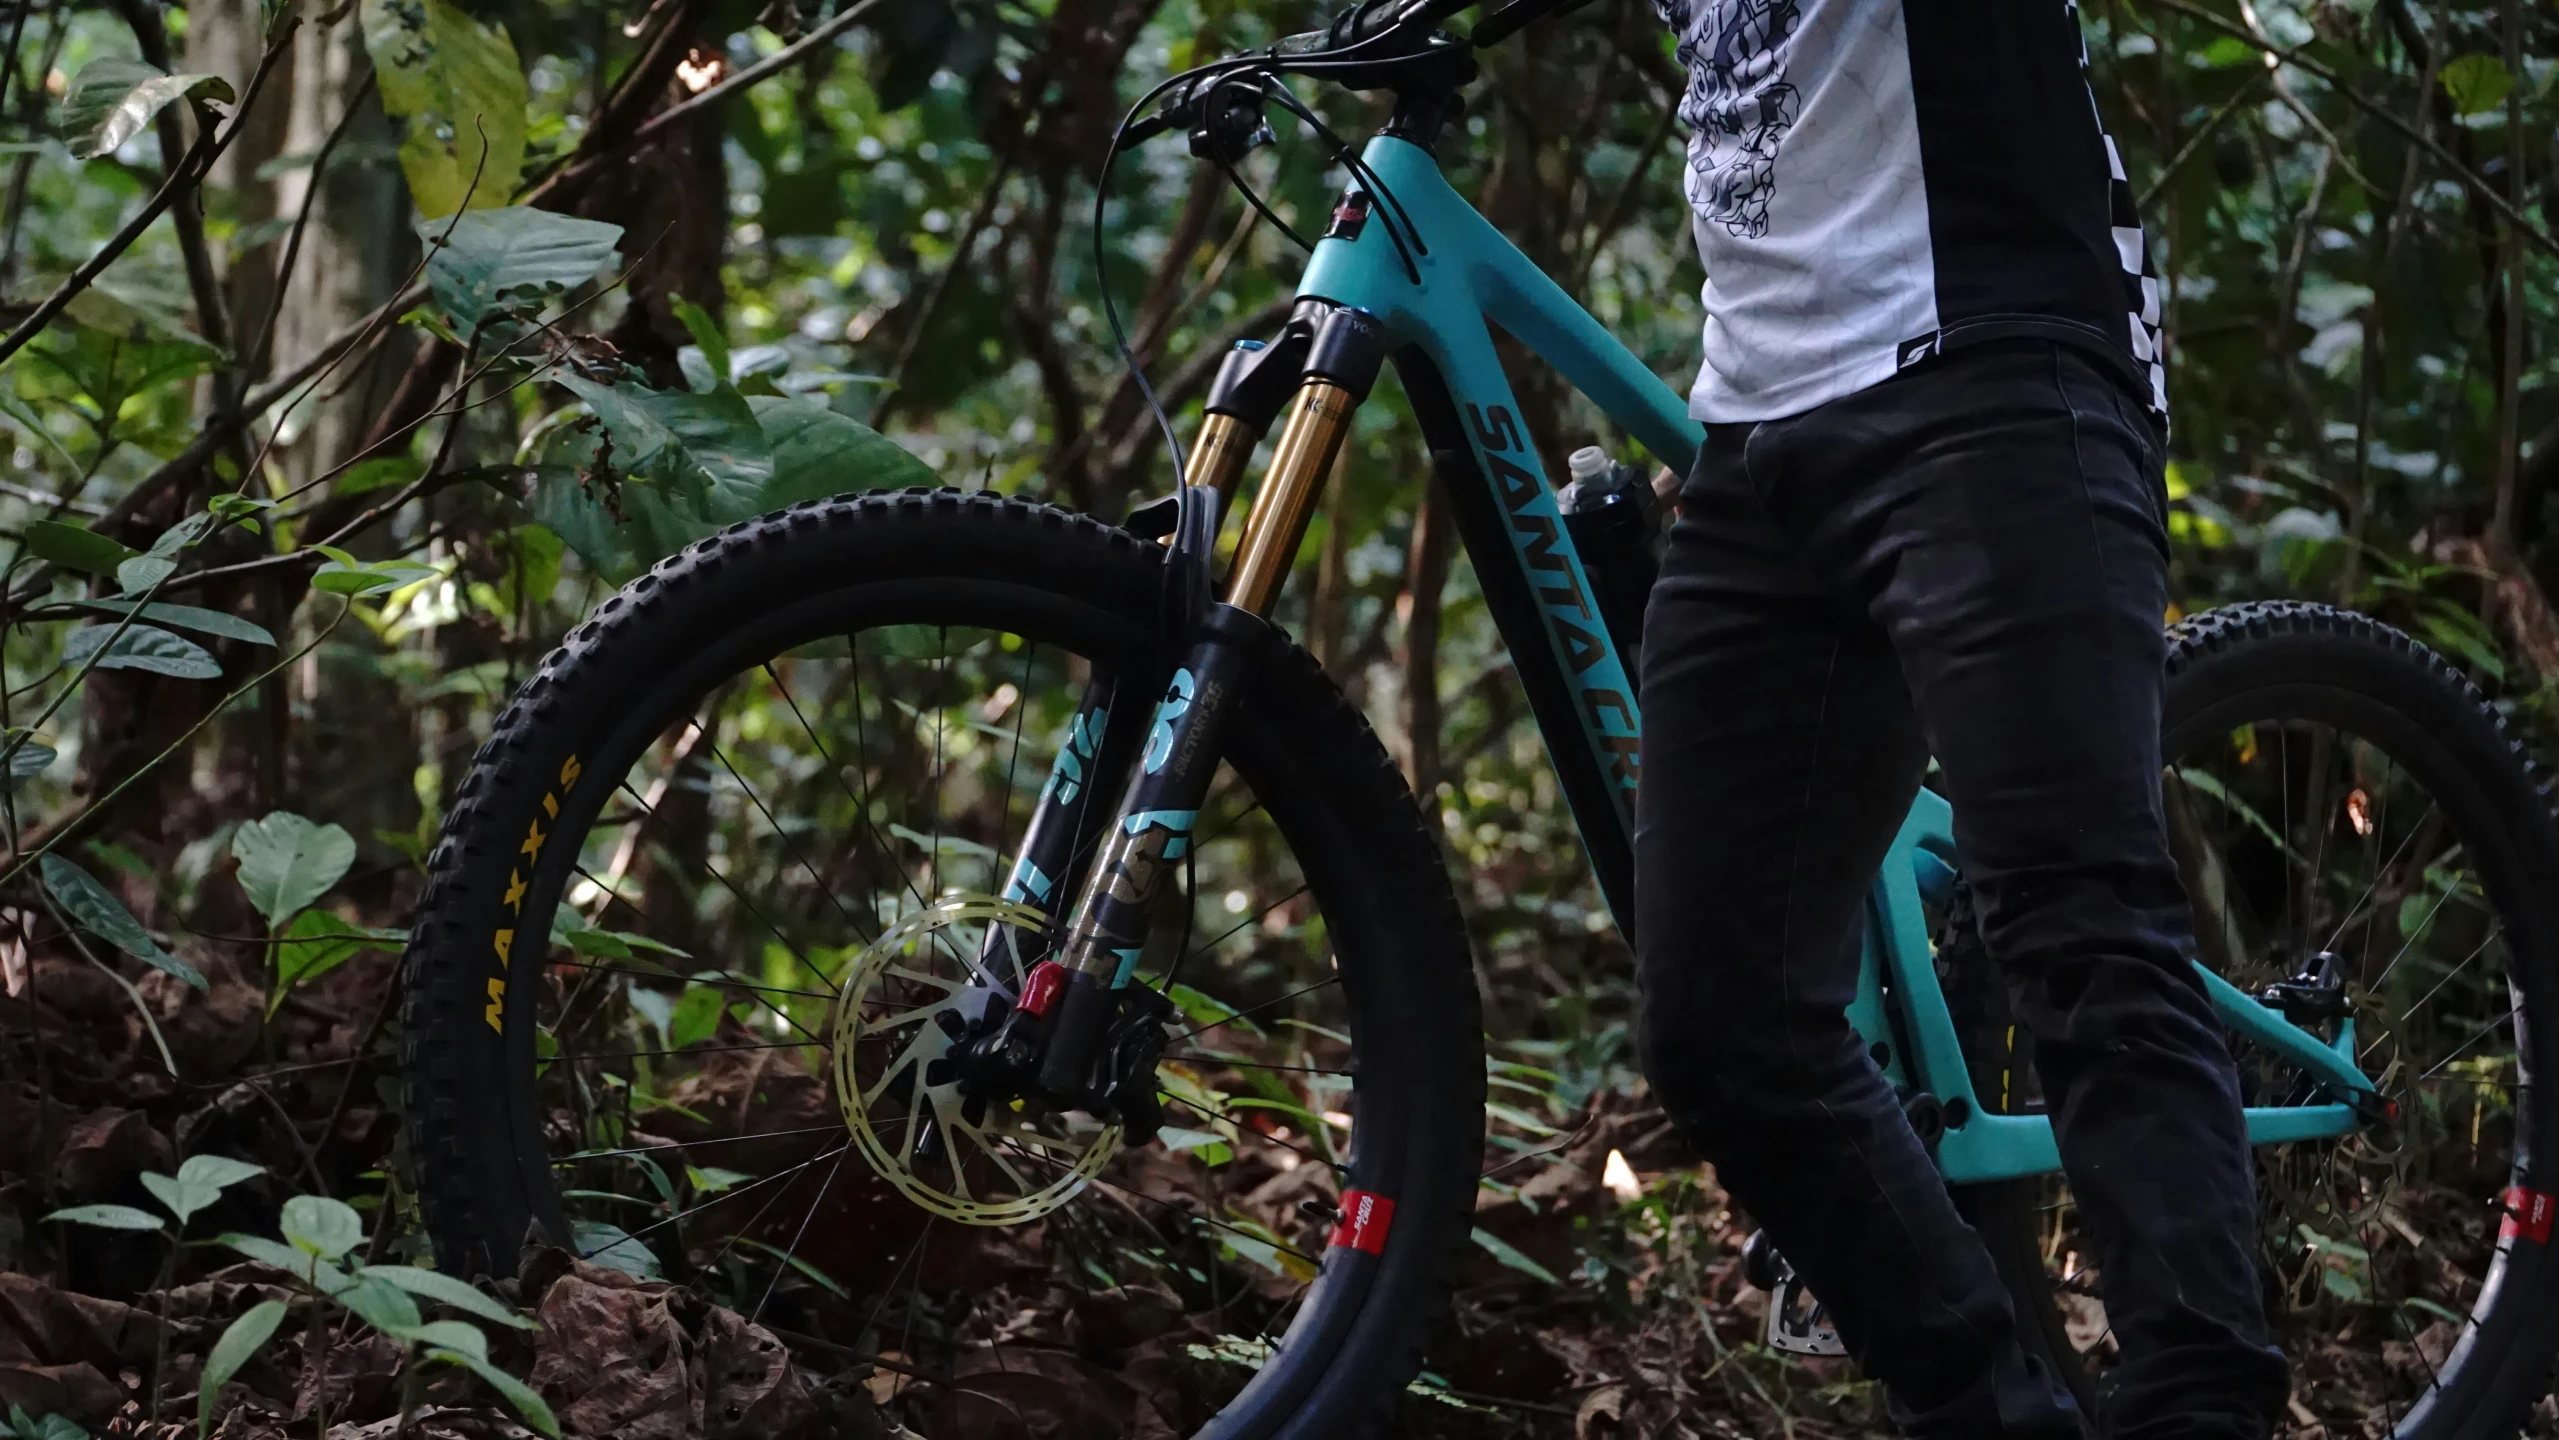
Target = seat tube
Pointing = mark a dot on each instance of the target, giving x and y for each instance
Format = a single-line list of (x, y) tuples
[(1152, 828)]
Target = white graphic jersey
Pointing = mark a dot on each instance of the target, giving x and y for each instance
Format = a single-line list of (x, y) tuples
[(1878, 181)]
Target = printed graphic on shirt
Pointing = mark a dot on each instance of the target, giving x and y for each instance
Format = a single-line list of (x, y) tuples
[(1738, 106)]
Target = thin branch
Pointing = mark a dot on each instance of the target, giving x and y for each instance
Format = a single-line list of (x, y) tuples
[(764, 69), (2295, 56), (192, 170)]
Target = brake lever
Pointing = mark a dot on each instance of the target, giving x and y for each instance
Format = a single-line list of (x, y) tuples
[(1223, 112)]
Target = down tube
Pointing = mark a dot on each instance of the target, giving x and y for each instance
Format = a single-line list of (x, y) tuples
[(1534, 585)]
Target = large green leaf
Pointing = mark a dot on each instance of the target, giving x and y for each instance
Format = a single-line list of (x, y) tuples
[(511, 254), (189, 617), (199, 1183), (448, 1290), (712, 441), (318, 942), (113, 98), (108, 1217), (103, 915), (238, 1343), (457, 84), (141, 647), (318, 1225), (28, 420), (76, 547), (529, 1404), (286, 862), (2477, 83), (817, 452)]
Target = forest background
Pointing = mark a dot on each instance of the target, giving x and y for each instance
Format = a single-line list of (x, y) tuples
[(279, 541)]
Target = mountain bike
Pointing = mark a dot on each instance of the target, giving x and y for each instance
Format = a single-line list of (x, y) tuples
[(942, 901)]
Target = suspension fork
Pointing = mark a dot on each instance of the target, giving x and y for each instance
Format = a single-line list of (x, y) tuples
[(1151, 833), (1253, 385)]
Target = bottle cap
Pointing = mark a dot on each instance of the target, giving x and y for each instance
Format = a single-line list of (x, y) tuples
[(1587, 463)]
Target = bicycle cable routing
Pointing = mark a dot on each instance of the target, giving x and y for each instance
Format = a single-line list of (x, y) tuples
[(1375, 44)]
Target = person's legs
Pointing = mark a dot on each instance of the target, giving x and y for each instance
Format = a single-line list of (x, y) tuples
[(2000, 514), (1780, 754)]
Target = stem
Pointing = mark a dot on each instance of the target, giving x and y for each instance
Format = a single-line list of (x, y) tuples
[(191, 171), (2513, 213), (70, 826)]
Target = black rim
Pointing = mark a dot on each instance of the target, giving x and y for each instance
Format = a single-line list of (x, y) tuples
[(2348, 831), (769, 830)]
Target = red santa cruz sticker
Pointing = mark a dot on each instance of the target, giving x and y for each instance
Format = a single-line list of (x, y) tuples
[(1365, 1218), (2528, 1215)]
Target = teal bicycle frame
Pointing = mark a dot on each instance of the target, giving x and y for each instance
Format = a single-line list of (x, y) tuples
[(1437, 295), (1473, 278)]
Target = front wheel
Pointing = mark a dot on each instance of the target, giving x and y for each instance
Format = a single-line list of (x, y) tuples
[(2343, 803), (713, 921)]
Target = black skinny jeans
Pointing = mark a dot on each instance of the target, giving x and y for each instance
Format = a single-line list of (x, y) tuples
[(1967, 561)]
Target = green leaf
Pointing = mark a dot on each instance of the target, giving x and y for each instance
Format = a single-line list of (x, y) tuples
[(382, 472), (141, 647), (232, 1351), (199, 1183), (76, 547), (583, 522), (142, 572), (29, 760), (587, 940), (531, 1406), (109, 1217), (18, 410), (189, 617), (113, 98), (379, 1303), (310, 1269), (318, 942), (448, 1290), (51, 1427), (236, 508), (1211, 1148), (697, 1016), (286, 862), (1510, 1255), (817, 453), (714, 439), (459, 1335), (706, 333), (494, 259), (2477, 83), (322, 1226), (613, 1248), (535, 571), (103, 915), (460, 88)]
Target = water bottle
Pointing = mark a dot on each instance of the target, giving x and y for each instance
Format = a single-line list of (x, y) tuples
[(1615, 522)]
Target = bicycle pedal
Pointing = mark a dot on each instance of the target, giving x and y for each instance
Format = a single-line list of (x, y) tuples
[(1796, 1322)]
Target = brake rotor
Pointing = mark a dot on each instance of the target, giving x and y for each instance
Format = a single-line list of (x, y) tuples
[(907, 1004)]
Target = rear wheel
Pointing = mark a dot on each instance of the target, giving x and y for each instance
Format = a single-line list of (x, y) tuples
[(716, 901), (2335, 790)]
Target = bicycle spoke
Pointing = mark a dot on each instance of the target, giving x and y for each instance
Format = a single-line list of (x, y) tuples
[(791, 846), (861, 805), (725, 979), (796, 1237), (1197, 1031), (750, 908), (695, 1144), (724, 1197)]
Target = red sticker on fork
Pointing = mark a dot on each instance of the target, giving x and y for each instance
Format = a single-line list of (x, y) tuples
[(2528, 1215), (1365, 1218)]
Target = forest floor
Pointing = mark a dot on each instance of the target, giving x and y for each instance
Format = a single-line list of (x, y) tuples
[(1639, 1323)]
